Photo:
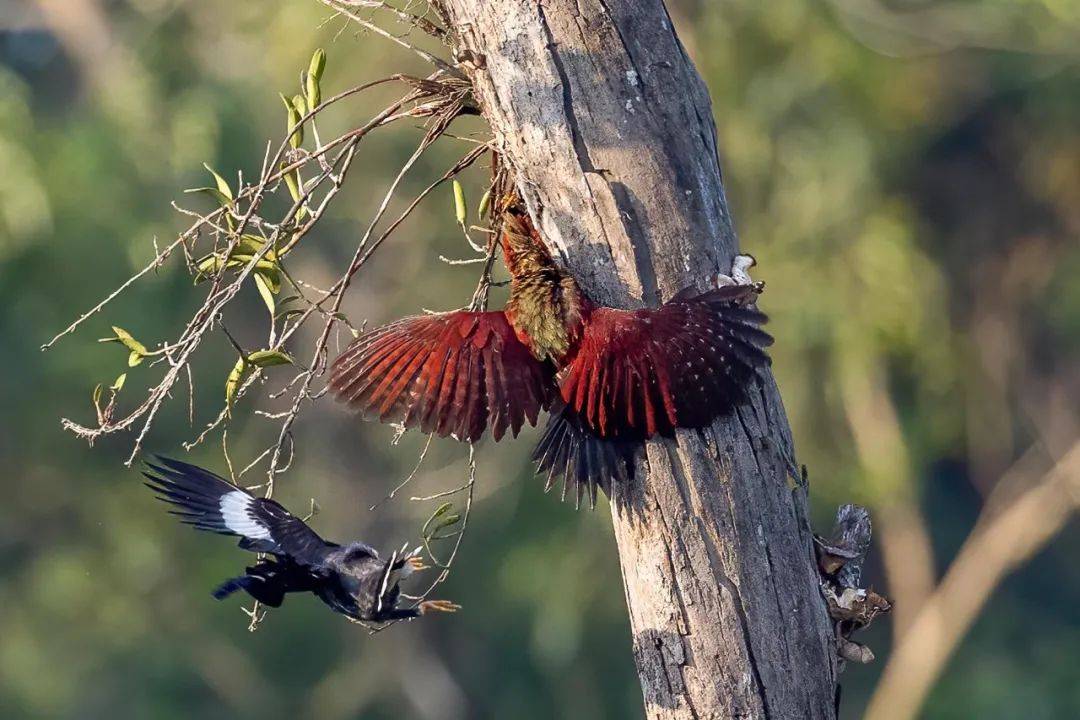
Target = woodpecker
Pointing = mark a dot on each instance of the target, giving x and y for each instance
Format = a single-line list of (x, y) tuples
[(610, 378), (352, 579)]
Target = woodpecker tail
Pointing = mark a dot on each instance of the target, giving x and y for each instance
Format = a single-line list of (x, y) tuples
[(584, 460)]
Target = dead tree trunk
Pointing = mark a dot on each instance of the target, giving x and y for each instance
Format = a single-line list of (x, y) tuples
[(599, 110)]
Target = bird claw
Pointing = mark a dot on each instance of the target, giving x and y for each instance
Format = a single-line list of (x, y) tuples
[(740, 275), (417, 564), (439, 606)]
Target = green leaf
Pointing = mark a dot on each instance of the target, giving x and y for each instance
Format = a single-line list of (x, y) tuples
[(124, 337), (313, 78), (118, 384), (243, 259), (427, 530), (317, 64), (294, 186), (207, 267), (222, 194), (267, 293), (218, 197), (269, 358), (295, 138), (252, 244), (96, 395), (292, 181), (288, 313), (272, 276), (222, 186), (236, 378), (446, 522), (482, 208), (284, 241), (460, 208), (134, 358), (300, 104), (211, 265), (312, 91)]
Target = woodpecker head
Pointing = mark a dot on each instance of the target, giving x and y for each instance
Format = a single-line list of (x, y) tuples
[(523, 251), (546, 307)]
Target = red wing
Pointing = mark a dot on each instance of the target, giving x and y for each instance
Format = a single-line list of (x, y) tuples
[(452, 373), (645, 372)]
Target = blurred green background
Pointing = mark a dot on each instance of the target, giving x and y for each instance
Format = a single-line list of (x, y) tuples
[(907, 174)]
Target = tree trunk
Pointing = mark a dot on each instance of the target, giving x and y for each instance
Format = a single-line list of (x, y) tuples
[(599, 110)]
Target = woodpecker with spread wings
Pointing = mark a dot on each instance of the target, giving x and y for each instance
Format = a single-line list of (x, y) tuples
[(610, 378), (352, 579)]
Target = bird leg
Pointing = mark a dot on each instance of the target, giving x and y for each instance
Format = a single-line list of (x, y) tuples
[(417, 564), (438, 606)]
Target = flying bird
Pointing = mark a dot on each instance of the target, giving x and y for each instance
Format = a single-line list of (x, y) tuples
[(352, 579), (610, 378)]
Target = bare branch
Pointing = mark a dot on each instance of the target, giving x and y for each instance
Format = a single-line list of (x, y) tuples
[(1006, 536)]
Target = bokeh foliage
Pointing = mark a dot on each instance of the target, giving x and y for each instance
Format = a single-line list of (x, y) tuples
[(906, 174)]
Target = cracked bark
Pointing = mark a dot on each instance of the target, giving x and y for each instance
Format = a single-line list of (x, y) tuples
[(601, 113)]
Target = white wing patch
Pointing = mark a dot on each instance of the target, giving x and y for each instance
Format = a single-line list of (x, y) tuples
[(234, 511)]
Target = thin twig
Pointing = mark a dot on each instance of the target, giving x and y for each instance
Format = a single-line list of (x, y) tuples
[(155, 263), (342, 9), (419, 461)]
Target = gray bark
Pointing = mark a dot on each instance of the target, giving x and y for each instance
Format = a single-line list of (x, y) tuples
[(599, 110)]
